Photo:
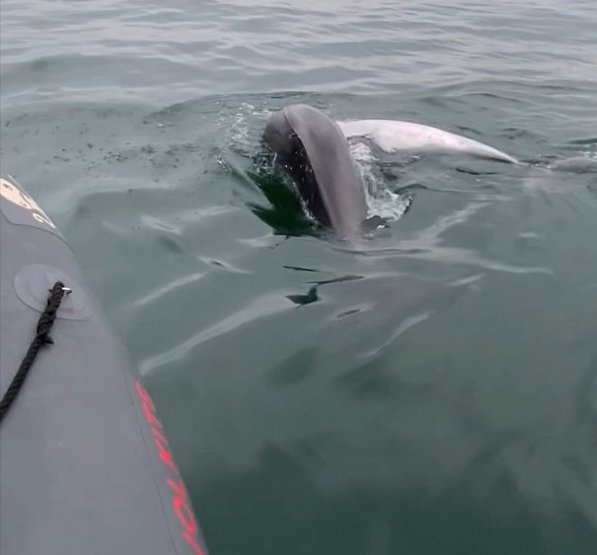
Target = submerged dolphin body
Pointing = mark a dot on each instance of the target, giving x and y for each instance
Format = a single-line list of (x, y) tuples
[(555, 177), (395, 136), (312, 148)]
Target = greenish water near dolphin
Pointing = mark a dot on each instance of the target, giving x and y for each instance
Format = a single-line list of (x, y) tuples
[(436, 393)]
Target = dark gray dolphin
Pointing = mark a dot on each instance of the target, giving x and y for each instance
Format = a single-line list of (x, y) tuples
[(311, 147)]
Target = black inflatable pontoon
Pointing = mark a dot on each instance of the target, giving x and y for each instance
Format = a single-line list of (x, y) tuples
[(85, 467)]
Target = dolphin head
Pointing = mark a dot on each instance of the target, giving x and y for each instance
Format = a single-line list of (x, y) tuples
[(310, 146)]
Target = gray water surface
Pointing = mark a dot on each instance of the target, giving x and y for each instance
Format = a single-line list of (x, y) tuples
[(436, 393)]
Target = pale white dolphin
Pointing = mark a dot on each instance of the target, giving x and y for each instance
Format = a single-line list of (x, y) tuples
[(402, 136)]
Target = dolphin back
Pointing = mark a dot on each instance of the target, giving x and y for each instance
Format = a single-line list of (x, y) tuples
[(313, 149)]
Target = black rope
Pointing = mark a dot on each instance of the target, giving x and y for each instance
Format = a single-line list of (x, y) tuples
[(44, 325)]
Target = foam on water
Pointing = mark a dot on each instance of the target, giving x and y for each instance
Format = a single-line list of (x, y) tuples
[(381, 201)]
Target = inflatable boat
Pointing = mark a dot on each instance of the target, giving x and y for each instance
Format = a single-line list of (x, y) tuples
[(85, 466)]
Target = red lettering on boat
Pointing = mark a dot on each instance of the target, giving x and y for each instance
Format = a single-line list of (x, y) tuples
[(180, 499)]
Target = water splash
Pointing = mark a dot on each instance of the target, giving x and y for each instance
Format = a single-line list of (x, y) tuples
[(381, 201)]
